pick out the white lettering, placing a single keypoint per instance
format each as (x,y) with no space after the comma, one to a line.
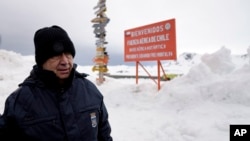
(132,49)
(146,55)
(162,38)
(133,42)
(239,132)
(132,56)
(146,40)
(151,30)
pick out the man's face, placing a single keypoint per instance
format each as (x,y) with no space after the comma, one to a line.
(61,65)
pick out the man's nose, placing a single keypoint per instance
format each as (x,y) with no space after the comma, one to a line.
(64,59)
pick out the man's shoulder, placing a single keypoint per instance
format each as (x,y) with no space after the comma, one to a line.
(81,75)
(89,85)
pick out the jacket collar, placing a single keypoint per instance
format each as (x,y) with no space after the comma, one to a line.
(45,78)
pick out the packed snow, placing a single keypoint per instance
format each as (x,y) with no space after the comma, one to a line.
(200,105)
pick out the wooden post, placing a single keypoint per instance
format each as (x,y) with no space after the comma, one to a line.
(136,74)
(159,74)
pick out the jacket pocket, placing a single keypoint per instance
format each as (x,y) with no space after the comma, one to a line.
(89,120)
(90,108)
(32,121)
(43,128)
(90,115)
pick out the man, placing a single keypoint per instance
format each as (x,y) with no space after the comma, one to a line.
(55,102)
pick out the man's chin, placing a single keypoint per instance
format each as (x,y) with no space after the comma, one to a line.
(63,75)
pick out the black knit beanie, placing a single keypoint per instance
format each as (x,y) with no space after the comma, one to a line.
(51,41)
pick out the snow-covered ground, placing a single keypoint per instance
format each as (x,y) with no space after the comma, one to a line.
(200,105)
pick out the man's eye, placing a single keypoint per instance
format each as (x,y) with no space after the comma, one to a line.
(56,57)
(68,55)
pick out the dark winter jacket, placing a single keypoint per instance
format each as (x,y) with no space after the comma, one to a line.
(42,110)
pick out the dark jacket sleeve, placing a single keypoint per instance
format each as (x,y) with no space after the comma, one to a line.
(104,133)
(5,126)
(104,126)
(9,130)
(8,127)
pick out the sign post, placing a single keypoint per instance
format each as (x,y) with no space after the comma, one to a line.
(101,58)
(153,42)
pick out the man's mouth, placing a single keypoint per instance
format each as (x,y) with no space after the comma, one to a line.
(63,71)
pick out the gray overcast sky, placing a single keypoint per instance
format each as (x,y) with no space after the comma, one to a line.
(202,26)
